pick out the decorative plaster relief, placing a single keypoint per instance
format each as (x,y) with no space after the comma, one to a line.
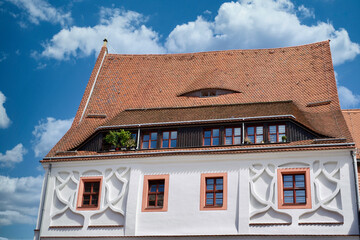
(328,205)
(262,197)
(112,208)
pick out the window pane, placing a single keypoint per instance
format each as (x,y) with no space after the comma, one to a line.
(219,201)
(300,184)
(259,138)
(209,181)
(153,136)
(207,134)
(252,139)
(228,131)
(173,143)
(237,131)
(87,187)
(207,142)
(237,140)
(259,130)
(300,199)
(272,129)
(210,187)
(219,186)
(146,137)
(228,140)
(288,200)
(288,178)
(160,203)
(288,184)
(209,201)
(96,187)
(94,200)
(219,181)
(280,137)
(145,145)
(152,200)
(133,136)
(288,193)
(299,178)
(174,135)
(250,130)
(86,200)
(152,188)
(161,188)
(215,132)
(281,128)
(165,135)
(219,195)
(273,138)
(300,193)
(215,141)
(153,144)
(165,143)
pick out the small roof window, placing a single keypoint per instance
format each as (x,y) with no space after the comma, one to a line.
(209,92)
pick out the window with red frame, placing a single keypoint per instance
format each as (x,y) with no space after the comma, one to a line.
(255,134)
(89,193)
(169,139)
(212,137)
(232,136)
(214,192)
(156,193)
(294,188)
(276,132)
(149,140)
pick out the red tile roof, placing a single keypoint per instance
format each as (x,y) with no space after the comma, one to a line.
(352,117)
(303,75)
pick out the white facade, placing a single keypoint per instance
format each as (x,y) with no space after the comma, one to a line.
(252,202)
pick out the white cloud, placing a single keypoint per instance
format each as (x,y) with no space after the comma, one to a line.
(347,98)
(13,156)
(19,199)
(4,119)
(48,133)
(250,24)
(41,10)
(123,29)
(305,12)
(3,56)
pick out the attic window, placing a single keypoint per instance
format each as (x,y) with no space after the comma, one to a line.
(209,92)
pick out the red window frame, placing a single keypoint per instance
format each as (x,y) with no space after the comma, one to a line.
(277,132)
(149,141)
(211,137)
(170,139)
(92,193)
(213,191)
(148,179)
(157,193)
(255,133)
(281,188)
(233,136)
(204,190)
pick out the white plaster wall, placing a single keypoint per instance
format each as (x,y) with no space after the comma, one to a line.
(337,196)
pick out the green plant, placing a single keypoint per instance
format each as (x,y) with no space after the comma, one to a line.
(283,138)
(112,138)
(247,140)
(120,138)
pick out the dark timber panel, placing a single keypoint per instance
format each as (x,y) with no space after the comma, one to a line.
(190,137)
(94,144)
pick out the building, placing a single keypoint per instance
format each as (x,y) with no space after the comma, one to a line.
(229,145)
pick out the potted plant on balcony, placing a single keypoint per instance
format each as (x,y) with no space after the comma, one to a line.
(112,138)
(247,140)
(283,138)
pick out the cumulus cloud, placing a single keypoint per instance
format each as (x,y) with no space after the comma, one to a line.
(124,30)
(3,56)
(347,98)
(13,156)
(4,119)
(19,199)
(48,133)
(41,10)
(249,24)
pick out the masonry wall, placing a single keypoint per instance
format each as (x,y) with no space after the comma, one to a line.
(252,200)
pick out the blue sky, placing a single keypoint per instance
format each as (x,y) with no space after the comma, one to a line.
(48,50)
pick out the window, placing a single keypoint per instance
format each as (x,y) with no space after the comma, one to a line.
(255,134)
(232,136)
(155,193)
(213,191)
(276,132)
(149,140)
(212,137)
(169,139)
(89,193)
(208,92)
(294,188)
